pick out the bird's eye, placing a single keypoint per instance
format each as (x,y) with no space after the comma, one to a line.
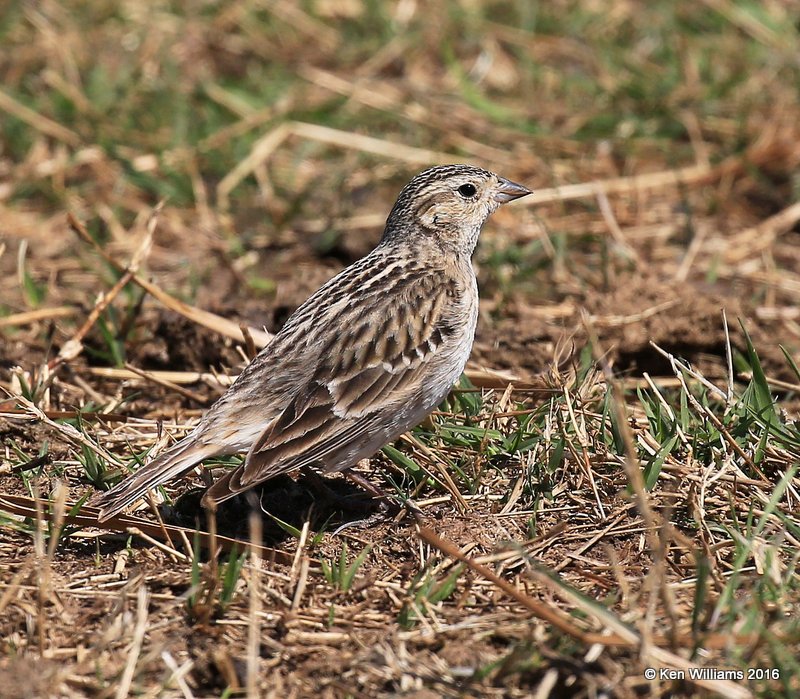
(467,190)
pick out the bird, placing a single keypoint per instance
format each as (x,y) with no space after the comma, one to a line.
(366,358)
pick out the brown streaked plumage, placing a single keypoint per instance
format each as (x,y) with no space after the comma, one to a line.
(363,360)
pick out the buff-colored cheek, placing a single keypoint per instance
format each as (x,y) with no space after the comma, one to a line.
(432,216)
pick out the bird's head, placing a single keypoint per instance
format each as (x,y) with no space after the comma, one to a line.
(450,203)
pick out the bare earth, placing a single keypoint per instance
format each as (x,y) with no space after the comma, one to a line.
(589,510)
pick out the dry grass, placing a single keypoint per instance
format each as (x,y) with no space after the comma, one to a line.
(615,487)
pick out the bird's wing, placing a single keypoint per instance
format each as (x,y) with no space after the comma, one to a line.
(370,366)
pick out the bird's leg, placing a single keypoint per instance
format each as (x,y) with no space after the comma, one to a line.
(320,487)
(392,501)
(365,483)
(390,504)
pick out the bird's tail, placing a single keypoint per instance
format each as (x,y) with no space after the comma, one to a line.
(172,463)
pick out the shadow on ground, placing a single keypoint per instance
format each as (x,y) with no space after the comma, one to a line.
(285,504)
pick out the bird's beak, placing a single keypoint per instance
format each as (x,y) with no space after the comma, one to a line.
(508,191)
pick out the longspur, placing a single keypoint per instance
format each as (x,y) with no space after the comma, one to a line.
(364,359)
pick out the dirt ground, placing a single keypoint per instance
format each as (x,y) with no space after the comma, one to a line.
(333,642)
(589,509)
